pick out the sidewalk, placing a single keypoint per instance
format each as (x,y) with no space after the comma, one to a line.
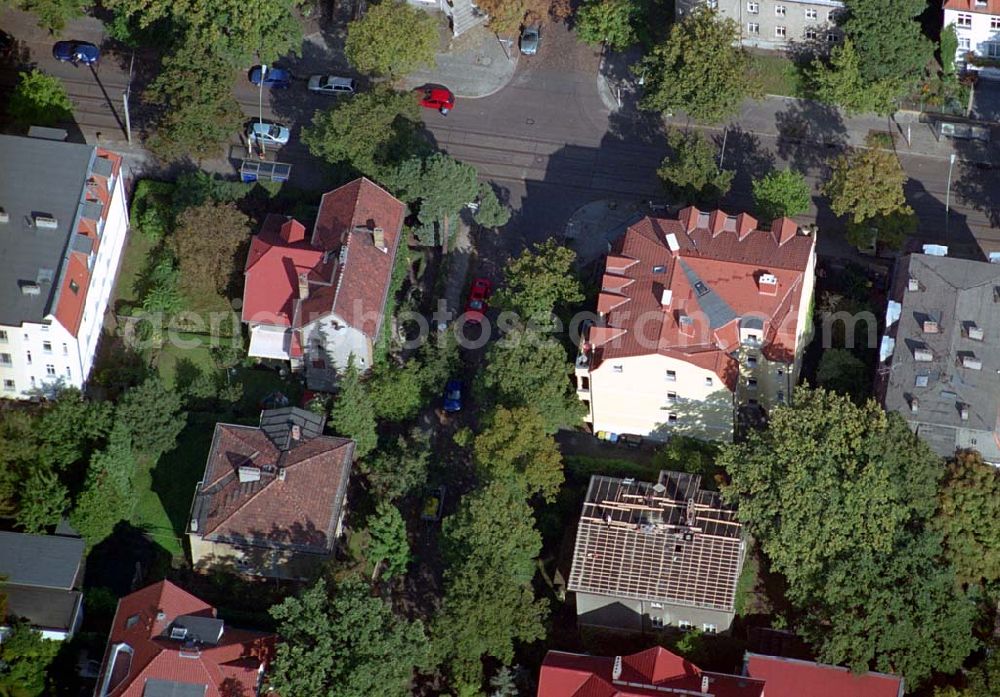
(474,64)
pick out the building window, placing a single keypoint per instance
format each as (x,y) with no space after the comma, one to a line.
(832,38)
(781,371)
(811,13)
(752,384)
(712,4)
(657,622)
(50,370)
(659,269)
(779,10)
(751,361)
(65,350)
(584,382)
(753,7)
(964,44)
(671,397)
(672,418)
(811,34)
(27,357)
(994,22)
(3,336)
(47,346)
(964,20)
(780,32)
(992,49)
(684,625)
(32,378)
(709,628)
(69,373)
(709,382)
(74,286)
(781,396)
(657,606)
(5,359)
(617,368)
(753,28)
(8,385)
(671,376)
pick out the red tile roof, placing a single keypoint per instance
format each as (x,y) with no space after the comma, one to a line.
(787,677)
(654,671)
(712,278)
(295,502)
(347,274)
(143,620)
(992,7)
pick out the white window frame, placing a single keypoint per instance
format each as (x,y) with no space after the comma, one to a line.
(656,606)
(753,28)
(9,386)
(963,20)
(709,628)
(684,625)
(991,49)
(50,370)
(47,346)
(3,336)
(780,32)
(670,376)
(753,7)
(811,13)
(6,359)
(832,38)
(964,43)
(709,382)
(617,368)
(780,10)
(994,22)
(811,34)
(672,418)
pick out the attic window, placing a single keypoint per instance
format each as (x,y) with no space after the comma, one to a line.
(179,633)
(74,286)
(131,621)
(659,269)
(913,285)
(701,289)
(921,381)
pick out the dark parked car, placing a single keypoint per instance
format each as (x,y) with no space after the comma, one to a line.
(76,52)
(278,78)
(453,396)
(530,38)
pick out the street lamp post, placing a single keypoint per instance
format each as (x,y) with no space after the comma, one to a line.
(947,195)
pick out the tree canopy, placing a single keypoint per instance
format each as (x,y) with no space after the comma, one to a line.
(52,14)
(344,643)
(888,38)
(609,22)
(39,100)
(865,183)
(839,496)
(152,413)
(690,172)
(353,414)
(839,79)
(24,660)
(539,281)
(841,371)
(441,185)
(392,39)
(108,493)
(398,468)
(783,192)
(209,263)
(514,445)
(491,212)
(699,69)
(388,547)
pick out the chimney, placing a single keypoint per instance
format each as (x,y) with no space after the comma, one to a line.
(975,332)
(970,361)
(963,411)
(704,684)
(686,323)
(296,432)
(281,474)
(303,286)
(378,237)
(666,298)
(616,669)
(923,355)
(767,284)
(930,326)
(914,405)
(4,216)
(913,285)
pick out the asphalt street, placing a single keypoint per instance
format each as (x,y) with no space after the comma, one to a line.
(547,140)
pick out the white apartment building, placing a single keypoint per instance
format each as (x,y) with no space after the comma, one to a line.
(63,222)
(977,23)
(698,318)
(776,24)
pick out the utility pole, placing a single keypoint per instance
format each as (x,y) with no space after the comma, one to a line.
(947,195)
(125,97)
(722,155)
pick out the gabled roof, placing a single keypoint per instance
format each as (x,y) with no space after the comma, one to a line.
(145,622)
(671,542)
(654,671)
(273,490)
(990,7)
(789,677)
(703,269)
(40,561)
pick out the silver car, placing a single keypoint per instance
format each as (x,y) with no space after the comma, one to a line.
(530,39)
(268,133)
(331,84)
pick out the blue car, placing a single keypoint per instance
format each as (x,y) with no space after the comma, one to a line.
(278,78)
(76,52)
(453,396)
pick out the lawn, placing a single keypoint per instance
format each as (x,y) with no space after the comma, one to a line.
(172,357)
(779,75)
(137,251)
(165,489)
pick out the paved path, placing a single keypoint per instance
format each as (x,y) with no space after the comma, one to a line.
(474,64)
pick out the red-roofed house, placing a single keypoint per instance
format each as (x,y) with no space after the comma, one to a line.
(977,24)
(165,642)
(272,498)
(654,671)
(789,677)
(316,301)
(697,317)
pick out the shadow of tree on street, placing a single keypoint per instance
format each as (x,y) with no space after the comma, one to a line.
(802,126)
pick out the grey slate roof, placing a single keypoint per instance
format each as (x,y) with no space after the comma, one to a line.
(954,293)
(714,306)
(171,688)
(44,608)
(46,561)
(277,425)
(43,177)
(200,630)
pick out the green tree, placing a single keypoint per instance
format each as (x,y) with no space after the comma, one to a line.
(838,496)
(18,456)
(528,368)
(504,683)
(780,193)
(372,132)
(609,22)
(840,80)
(24,661)
(514,445)
(353,414)
(889,39)
(152,413)
(70,428)
(491,213)
(865,183)
(44,500)
(699,69)
(399,468)
(397,391)
(108,493)
(968,517)
(197,111)
(388,549)
(690,172)
(841,371)
(949,49)
(53,14)
(490,546)
(505,16)
(889,231)
(539,281)
(392,39)
(39,100)
(210,264)
(345,643)
(442,185)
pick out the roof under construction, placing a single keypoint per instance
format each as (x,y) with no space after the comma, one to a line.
(671,542)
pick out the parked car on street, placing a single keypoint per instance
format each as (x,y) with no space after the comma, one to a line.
(76,52)
(453,396)
(436,97)
(530,38)
(331,84)
(433,505)
(479,296)
(268,133)
(278,78)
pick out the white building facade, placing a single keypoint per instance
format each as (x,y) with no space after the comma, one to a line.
(776,24)
(977,24)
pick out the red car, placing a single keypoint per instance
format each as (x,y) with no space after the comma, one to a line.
(478,297)
(436,97)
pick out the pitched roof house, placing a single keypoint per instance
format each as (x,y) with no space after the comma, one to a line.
(317,301)
(789,677)
(41,576)
(941,353)
(649,673)
(648,556)
(272,498)
(165,642)
(698,316)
